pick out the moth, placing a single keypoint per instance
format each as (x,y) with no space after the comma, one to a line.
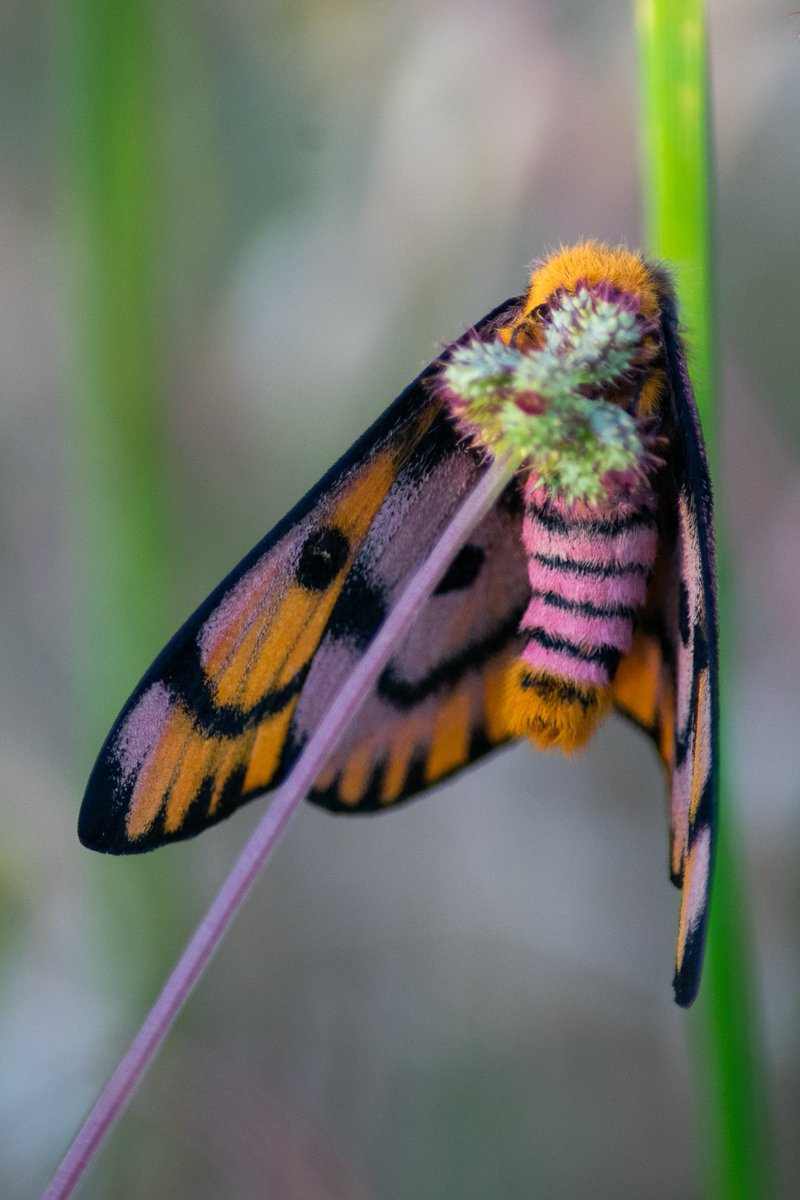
(551,615)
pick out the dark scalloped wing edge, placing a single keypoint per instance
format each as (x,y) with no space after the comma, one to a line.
(686,981)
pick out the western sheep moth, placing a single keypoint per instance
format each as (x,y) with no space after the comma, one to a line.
(551,614)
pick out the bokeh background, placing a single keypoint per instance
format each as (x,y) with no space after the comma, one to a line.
(230,232)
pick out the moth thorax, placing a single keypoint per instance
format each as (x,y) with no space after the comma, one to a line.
(588,570)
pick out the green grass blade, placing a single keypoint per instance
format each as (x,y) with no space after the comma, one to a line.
(677,178)
(116,504)
(119,547)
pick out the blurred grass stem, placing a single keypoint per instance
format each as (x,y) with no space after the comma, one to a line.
(120,552)
(236,888)
(677,177)
(120,548)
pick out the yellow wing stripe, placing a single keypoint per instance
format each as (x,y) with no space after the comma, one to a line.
(701,761)
(298,624)
(494,701)
(269,742)
(327,776)
(232,753)
(192,770)
(263,659)
(404,743)
(635,685)
(356,775)
(451,730)
(156,775)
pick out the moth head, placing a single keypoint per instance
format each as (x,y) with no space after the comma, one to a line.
(569,383)
(611,275)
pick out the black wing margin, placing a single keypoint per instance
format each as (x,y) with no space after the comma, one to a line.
(696,768)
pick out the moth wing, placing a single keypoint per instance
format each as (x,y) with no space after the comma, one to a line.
(224,711)
(668,683)
(438,703)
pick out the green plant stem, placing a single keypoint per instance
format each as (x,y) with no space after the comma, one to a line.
(677,176)
(115,515)
(119,547)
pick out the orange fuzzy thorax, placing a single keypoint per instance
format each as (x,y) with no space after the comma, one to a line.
(593,263)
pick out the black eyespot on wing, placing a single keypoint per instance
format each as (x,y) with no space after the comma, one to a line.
(321,559)
(360,610)
(463,570)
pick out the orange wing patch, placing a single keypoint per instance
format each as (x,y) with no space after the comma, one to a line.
(267,646)
(407,737)
(156,775)
(356,775)
(495,684)
(230,754)
(701,758)
(194,767)
(636,683)
(267,748)
(450,745)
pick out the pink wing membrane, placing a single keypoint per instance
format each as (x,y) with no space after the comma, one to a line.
(433,665)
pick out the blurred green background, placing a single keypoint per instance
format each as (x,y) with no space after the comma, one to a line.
(229,234)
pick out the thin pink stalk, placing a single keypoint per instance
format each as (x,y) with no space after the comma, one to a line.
(209,933)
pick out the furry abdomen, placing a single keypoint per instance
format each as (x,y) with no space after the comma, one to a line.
(588,571)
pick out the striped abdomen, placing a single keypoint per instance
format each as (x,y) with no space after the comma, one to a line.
(588,577)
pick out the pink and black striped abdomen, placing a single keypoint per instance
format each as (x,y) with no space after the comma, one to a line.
(588,575)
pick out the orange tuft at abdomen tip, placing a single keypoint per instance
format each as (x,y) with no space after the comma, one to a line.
(555,713)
